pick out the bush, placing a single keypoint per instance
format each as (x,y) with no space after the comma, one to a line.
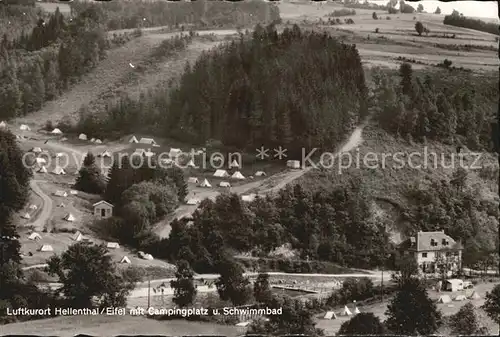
(342,12)
(376,30)
(374,16)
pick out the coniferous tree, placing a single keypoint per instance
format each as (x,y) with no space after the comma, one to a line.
(90,178)
(232,285)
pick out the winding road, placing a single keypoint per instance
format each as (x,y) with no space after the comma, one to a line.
(39,223)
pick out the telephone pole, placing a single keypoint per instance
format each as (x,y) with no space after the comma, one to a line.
(149,291)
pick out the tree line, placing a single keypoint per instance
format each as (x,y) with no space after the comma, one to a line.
(459,20)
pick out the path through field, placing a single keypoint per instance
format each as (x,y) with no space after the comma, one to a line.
(47,205)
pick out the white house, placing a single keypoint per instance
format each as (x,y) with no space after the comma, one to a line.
(221,174)
(103,209)
(433,251)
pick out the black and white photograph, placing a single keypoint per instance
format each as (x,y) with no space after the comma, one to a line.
(249,168)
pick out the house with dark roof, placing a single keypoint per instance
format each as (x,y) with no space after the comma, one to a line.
(434,251)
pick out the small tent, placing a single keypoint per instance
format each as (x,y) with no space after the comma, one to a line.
(224,184)
(193,180)
(221,174)
(249,197)
(46,248)
(63,139)
(330,315)
(3,124)
(69,217)
(59,155)
(149,141)
(98,141)
(125,259)
(78,236)
(82,136)
(260,174)
(26,216)
(33,207)
(73,192)
(34,236)
(356,310)
(191,164)
(205,183)
(237,175)
(243,324)
(59,171)
(148,257)
(133,140)
(62,194)
(42,169)
(113,245)
(36,150)
(474,296)
(193,201)
(346,311)
(460,298)
(40,161)
(61,205)
(24,127)
(234,164)
(444,299)
(56,131)
(92,140)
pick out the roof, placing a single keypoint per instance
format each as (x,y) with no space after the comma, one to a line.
(102,202)
(147,141)
(431,241)
(455,281)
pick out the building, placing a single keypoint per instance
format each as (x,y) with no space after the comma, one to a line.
(434,252)
(103,209)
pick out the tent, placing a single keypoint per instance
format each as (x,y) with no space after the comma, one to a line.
(42,169)
(346,311)
(56,131)
(113,245)
(61,205)
(78,236)
(73,192)
(235,164)
(221,174)
(260,173)
(474,296)
(460,298)
(330,315)
(237,175)
(69,217)
(295,164)
(59,154)
(454,285)
(58,170)
(63,139)
(193,201)
(24,127)
(224,184)
(3,124)
(148,257)
(26,216)
(98,141)
(191,163)
(33,207)
(149,141)
(249,197)
(205,183)
(193,180)
(92,140)
(243,324)
(34,236)
(40,161)
(104,154)
(444,299)
(46,248)
(61,194)
(125,260)
(82,136)
(133,140)
(36,150)
(356,311)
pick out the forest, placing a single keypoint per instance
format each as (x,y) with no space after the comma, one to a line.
(267,88)
(459,20)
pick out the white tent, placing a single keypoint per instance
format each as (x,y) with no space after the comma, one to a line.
(193,180)
(59,154)
(34,236)
(69,217)
(78,236)
(24,127)
(41,161)
(26,216)
(113,245)
(346,311)
(295,164)
(149,141)
(63,139)
(193,201)
(104,154)
(356,311)
(260,173)
(249,197)
(92,140)
(33,207)
(444,299)
(133,140)
(224,184)
(73,192)
(460,298)
(234,164)
(125,260)
(205,183)
(474,296)
(330,315)
(36,150)
(56,131)
(61,194)
(243,324)
(46,248)
(3,124)
(98,141)
(59,170)
(148,257)
(221,174)
(82,136)
(237,175)
(174,152)
(191,163)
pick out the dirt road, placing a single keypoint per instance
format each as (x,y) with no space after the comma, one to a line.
(46,210)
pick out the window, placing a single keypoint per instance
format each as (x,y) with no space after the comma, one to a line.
(424,255)
(103,212)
